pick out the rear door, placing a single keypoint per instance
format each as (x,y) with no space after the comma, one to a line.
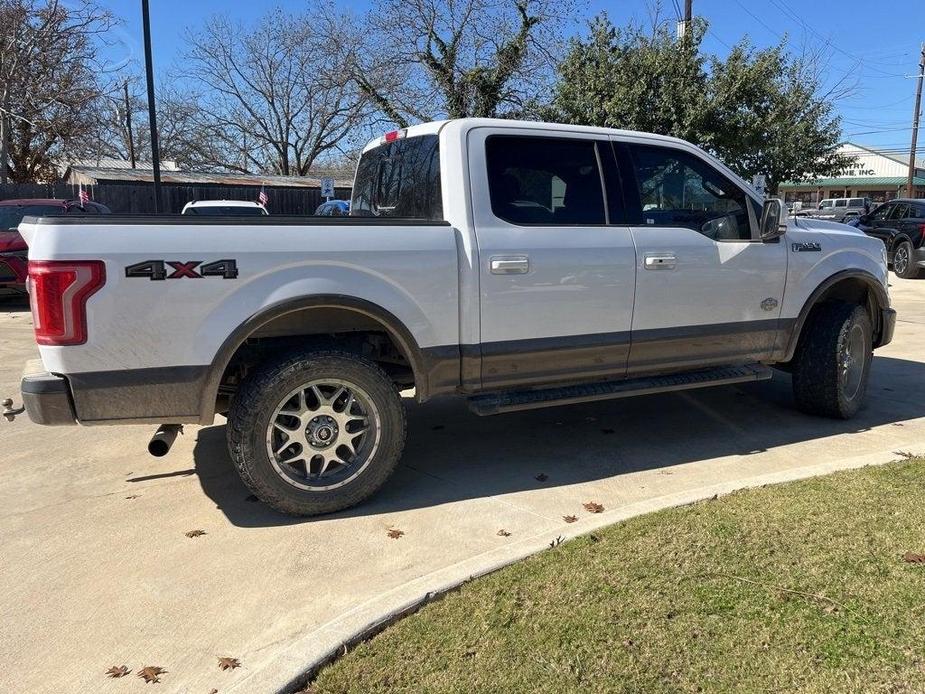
(556,268)
(708,291)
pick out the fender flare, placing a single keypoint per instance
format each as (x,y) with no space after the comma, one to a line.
(876,288)
(390,324)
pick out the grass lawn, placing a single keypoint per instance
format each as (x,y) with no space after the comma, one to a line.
(799,587)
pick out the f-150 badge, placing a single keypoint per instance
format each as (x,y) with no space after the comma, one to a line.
(809,247)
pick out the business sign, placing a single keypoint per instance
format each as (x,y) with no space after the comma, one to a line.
(327,187)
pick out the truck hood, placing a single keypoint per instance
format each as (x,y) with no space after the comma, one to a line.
(11,241)
(817,224)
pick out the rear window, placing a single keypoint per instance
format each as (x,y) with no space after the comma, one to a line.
(399,179)
(222,211)
(11,216)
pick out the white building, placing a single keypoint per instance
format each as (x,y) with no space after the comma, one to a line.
(875,175)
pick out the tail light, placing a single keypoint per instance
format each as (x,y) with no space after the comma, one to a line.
(922,232)
(58,293)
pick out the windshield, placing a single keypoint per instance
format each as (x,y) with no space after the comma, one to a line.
(399,179)
(225,211)
(11,216)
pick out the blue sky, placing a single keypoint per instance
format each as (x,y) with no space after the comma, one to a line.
(876,43)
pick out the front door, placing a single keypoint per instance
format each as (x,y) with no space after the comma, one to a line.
(708,292)
(556,278)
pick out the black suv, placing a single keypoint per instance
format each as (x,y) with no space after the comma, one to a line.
(900,224)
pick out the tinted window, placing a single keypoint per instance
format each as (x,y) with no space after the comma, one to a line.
(899,212)
(400,179)
(679,189)
(545,181)
(11,216)
(225,211)
(919,211)
(841,203)
(856,202)
(882,212)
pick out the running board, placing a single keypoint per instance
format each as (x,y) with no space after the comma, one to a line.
(514,401)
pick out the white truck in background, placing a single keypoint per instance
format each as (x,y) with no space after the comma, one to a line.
(516,264)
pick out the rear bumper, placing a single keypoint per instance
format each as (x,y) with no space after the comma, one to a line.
(47,398)
(887,326)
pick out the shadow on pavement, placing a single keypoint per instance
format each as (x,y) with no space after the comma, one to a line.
(452,455)
(13,303)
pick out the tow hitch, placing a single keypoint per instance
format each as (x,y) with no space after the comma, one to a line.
(10,412)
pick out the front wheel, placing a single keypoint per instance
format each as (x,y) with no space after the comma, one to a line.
(903,264)
(316,432)
(832,363)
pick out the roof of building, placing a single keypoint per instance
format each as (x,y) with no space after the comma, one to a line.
(111,163)
(884,181)
(920,163)
(91,175)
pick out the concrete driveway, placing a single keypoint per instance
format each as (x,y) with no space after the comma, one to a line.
(97,569)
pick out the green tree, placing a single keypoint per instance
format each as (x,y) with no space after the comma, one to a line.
(622,77)
(767,115)
(760,111)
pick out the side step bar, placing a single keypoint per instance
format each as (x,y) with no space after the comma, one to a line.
(514,401)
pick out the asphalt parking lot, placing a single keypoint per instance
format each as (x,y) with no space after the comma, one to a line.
(98,569)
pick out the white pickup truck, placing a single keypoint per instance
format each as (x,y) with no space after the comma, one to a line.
(517,264)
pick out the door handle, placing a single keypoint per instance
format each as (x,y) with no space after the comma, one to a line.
(660,261)
(510,265)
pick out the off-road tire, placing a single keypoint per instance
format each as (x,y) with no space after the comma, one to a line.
(817,384)
(908,270)
(256,401)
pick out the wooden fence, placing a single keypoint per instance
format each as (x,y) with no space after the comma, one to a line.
(138,198)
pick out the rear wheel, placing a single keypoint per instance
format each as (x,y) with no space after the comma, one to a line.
(832,363)
(903,263)
(316,432)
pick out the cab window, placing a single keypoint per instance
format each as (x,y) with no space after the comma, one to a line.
(899,212)
(545,181)
(677,188)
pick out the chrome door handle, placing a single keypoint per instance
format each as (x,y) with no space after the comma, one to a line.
(510,265)
(660,261)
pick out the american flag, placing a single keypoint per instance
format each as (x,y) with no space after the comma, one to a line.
(83,195)
(263,198)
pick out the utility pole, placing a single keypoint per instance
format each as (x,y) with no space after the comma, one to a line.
(128,124)
(684,25)
(152,114)
(910,185)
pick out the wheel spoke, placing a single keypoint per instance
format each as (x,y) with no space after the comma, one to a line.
(285,429)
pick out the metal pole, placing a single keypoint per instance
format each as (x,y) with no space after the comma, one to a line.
(128,124)
(910,184)
(152,116)
(688,13)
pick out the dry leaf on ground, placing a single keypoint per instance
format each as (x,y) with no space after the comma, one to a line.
(195,533)
(570,519)
(593,507)
(226,663)
(911,558)
(395,533)
(118,671)
(503,533)
(151,673)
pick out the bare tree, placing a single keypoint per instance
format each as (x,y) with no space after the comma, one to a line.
(422,59)
(274,98)
(50,80)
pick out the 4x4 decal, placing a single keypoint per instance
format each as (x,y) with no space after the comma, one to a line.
(227,269)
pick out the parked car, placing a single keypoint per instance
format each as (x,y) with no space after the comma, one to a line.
(841,209)
(333,208)
(13,249)
(900,224)
(516,264)
(225,208)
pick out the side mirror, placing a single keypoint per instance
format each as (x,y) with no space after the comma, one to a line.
(772,225)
